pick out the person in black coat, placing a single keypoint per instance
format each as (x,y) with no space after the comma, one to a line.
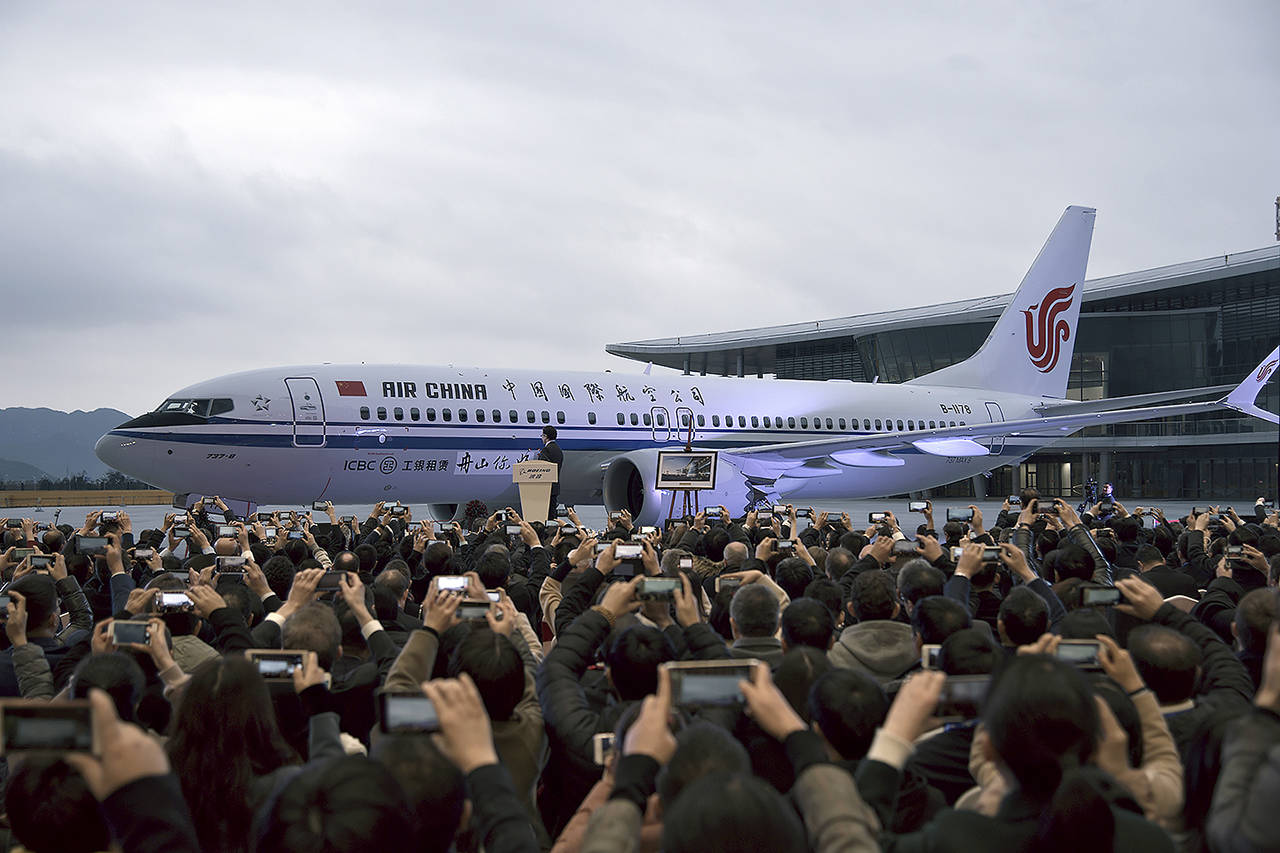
(551,452)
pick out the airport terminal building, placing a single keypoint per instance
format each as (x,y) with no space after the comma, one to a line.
(1194,324)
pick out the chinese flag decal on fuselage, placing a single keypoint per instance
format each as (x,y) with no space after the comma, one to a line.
(350,389)
(1049,331)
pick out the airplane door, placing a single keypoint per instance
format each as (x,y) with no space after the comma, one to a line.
(308,412)
(997,415)
(661,424)
(684,423)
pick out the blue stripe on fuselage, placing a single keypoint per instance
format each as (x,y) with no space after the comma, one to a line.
(440,442)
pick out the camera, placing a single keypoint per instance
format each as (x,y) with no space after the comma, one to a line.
(917,506)
(320,506)
(686,563)
(456,583)
(964,514)
(700,683)
(723,582)
(172,602)
(58,726)
(108,517)
(473,609)
(902,547)
(406,712)
(296,534)
(877,517)
(962,696)
(786,545)
(231,564)
(929,655)
(227,531)
(91,545)
(41,562)
(1106,507)
(513,530)
(125,631)
(330,582)
(1081,653)
(143,553)
(602,748)
(1014,500)
(1094,595)
(276,664)
(658,589)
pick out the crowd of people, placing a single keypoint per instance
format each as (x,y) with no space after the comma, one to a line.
(780,680)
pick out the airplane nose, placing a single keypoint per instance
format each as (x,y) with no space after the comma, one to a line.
(113,450)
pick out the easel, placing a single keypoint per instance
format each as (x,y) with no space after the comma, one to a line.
(690,495)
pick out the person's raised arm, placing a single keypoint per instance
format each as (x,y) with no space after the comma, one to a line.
(466,738)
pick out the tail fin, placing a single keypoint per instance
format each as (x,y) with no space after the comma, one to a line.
(1244,397)
(1029,350)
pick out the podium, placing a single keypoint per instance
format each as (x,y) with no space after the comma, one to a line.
(535,479)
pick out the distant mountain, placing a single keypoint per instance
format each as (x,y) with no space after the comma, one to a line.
(56,443)
(20,471)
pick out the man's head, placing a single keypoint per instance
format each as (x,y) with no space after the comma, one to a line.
(394,581)
(1023,617)
(936,618)
(1167,660)
(118,674)
(969,651)
(1149,557)
(352,804)
(807,622)
(793,575)
(315,628)
(916,580)
(42,603)
(346,561)
(1073,562)
(839,560)
(701,748)
(847,707)
(754,612)
(633,658)
(279,571)
(51,809)
(496,668)
(1254,615)
(433,788)
(548,433)
(873,596)
(735,554)
(827,591)
(494,567)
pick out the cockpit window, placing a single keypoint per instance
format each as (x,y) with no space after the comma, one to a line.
(202,408)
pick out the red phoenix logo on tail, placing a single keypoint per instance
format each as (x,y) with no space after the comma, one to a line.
(1048,330)
(1265,370)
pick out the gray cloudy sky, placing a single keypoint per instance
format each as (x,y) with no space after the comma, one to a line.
(192,189)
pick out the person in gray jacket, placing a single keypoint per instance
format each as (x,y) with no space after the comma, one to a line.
(877,644)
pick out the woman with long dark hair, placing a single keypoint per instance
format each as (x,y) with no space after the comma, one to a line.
(1043,733)
(226,748)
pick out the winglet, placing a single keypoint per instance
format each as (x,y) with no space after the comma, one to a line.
(1243,398)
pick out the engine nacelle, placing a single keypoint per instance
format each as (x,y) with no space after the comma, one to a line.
(630,483)
(443,512)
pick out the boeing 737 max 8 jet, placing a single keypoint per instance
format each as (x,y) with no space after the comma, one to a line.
(441,436)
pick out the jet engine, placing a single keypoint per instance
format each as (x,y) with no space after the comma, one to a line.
(630,483)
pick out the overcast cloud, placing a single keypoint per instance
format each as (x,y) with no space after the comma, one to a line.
(190,189)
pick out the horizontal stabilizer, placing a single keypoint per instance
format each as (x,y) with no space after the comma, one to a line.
(951,447)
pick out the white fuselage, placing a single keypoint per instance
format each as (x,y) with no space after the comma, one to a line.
(363,433)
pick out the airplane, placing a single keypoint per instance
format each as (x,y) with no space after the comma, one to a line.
(358,433)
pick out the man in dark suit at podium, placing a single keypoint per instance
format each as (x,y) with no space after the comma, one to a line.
(551,452)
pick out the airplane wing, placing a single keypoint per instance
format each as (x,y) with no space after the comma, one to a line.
(828,456)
